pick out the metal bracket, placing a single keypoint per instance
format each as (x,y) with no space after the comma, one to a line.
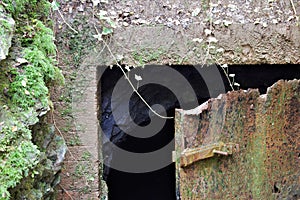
(189,156)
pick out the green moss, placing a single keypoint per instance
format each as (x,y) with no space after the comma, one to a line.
(4,83)
(23,90)
(145,56)
(5,26)
(15,165)
(79,44)
(27,8)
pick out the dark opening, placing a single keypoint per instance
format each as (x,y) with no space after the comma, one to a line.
(160,184)
(275,189)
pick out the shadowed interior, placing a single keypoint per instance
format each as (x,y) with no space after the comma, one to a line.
(160,184)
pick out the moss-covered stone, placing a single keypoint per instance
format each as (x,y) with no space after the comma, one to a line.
(30,157)
(7,25)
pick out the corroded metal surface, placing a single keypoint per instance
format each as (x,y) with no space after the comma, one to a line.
(190,156)
(266,127)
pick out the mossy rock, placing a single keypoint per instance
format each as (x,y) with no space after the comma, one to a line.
(7,26)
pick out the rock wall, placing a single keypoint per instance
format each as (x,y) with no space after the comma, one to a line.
(30,152)
(46,175)
(264,130)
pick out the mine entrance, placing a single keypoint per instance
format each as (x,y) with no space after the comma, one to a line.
(171,87)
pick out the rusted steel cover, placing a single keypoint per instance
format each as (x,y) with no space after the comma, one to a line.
(267,131)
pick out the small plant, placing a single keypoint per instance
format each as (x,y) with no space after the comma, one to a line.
(80,170)
(28,89)
(145,56)
(75,141)
(17,6)
(230,77)
(86,155)
(66,112)
(108,25)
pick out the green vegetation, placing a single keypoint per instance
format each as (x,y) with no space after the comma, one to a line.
(145,56)
(24,78)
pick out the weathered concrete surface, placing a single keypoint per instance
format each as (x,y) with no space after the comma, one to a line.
(80,176)
(175,31)
(266,129)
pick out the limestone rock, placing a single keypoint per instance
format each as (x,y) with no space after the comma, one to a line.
(7,25)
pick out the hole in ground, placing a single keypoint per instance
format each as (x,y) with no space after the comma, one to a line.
(164,88)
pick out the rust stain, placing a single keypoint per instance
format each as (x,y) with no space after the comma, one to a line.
(268,133)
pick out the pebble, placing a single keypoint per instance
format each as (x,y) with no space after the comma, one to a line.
(80,8)
(126,14)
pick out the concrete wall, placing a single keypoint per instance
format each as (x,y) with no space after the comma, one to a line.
(176,32)
(196,32)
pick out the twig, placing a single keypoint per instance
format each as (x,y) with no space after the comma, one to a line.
(292,2)
(227,76)
(134,89)
(60,133)
(226,73)
(66,191)
(66,22)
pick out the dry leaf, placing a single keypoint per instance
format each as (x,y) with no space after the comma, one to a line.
(95,2)
(227,23)
(21,60)
(14,128)
(197,40)
(220,50)
(196,12)
(217,22)
(212,39)
(137,77)
(224,66)
(207,32)
(23,82)
(127,68)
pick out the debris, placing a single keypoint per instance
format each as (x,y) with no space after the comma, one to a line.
(137,77)
(24,83)
(207,32)
(125,24)
(197,40)
(196,12)
(290,18)
(80,8)
(224,66)
(127,68)
(21,60)
(275,21)
(220,50)
(217,22)
(264,24)
(95,2)
(212,39)
(227,23)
